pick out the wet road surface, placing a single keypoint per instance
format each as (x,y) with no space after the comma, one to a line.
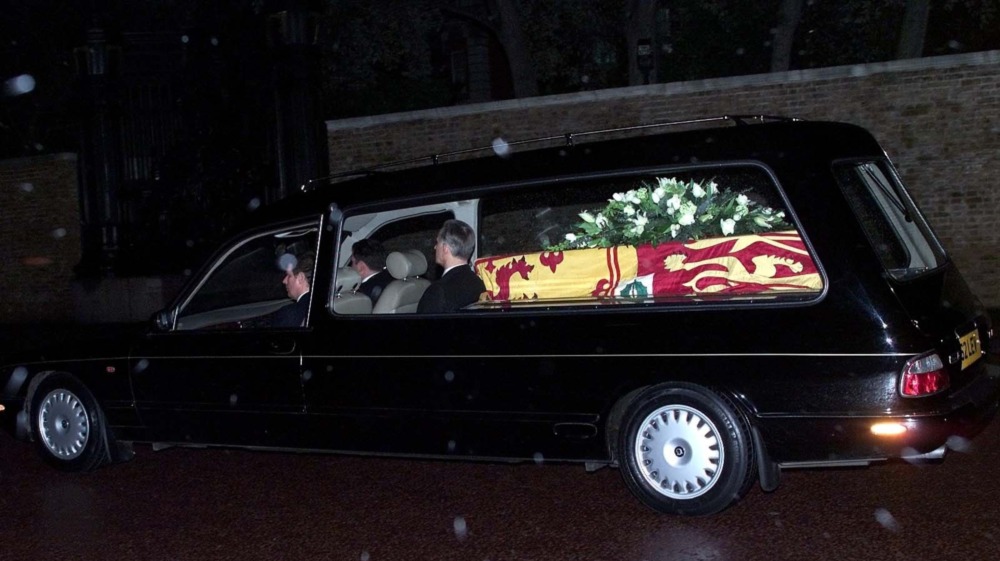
(185,504)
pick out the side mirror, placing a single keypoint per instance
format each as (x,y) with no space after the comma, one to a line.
(164,320)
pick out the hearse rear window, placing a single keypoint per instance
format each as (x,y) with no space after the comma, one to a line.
(894,226)
(722,232)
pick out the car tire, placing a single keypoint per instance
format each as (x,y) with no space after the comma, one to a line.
(68,425)
(685,449)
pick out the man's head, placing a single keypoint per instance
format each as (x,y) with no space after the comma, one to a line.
(456,242)
(368,257)
(298,276)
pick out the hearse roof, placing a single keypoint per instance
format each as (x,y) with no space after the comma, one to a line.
(774,141)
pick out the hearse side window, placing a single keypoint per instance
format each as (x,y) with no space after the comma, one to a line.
(894,226)
(671,236)
(245,285)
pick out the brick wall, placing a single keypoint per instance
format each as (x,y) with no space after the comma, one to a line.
(40,233)
(938,118)
(40,245)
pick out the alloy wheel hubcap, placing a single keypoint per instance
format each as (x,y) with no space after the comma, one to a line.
(678,452)
(63,424)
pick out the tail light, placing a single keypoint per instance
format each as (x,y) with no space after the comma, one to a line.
(923,375)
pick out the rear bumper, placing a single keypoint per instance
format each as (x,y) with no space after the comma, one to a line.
(808,441)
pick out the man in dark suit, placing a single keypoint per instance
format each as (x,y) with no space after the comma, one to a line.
(458,286)
(368,259)
(298,278)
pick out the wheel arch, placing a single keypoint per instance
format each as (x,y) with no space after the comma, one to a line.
(613,424)
(24,421)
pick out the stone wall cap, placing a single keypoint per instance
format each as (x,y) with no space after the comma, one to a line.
(28,160)
(675,88)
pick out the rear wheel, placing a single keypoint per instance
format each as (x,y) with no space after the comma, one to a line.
(68,424)
(684,449)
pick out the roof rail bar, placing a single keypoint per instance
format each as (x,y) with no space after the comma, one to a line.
(569,139)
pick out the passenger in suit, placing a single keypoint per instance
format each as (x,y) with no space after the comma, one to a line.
(368,259)
(298,278)
(458,286)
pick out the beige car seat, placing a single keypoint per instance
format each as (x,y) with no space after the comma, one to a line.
(402,295)
(346,300)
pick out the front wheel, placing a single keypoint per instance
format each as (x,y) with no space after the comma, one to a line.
(68,424)
(685,450)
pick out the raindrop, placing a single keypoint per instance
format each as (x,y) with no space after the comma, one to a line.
(954,45)
(233,399)
(185,39)
(740,51)
(59,233)
(329,368)
(538,457)
(214,41)
(19,85)
(140,366)
(886,519)
(959,444)
(461,530)
(449,376)
(307,375)
(500,147)
(585,79)
(859,70)
(254,204)
(451,445)
(189,243)
(365,556)
(26,187)
(187,272)
(287,262)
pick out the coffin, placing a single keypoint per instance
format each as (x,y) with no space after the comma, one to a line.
(775,262)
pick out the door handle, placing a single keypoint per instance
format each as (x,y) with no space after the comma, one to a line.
(281,346)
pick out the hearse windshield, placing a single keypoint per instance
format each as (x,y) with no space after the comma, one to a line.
(901,237)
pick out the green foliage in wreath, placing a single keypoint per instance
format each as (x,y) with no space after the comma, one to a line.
(671,210)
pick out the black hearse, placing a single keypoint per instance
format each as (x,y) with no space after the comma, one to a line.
(701,306)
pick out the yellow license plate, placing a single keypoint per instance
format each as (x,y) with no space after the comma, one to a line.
(971,348)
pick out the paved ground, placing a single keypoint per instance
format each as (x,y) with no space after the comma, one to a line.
(182,504)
